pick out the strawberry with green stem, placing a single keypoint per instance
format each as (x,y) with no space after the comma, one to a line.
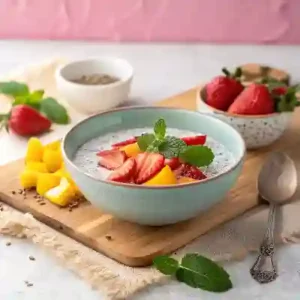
(221,91)
(31,113)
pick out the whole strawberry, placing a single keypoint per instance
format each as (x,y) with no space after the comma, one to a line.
(26,121)
(254,100)
(221,91)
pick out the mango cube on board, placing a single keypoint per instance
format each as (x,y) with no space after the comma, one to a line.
(63,194)
(52,159)
(36,166)
(45,182)
(35,150)
(28,178)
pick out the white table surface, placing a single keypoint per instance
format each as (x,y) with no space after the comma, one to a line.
(160,71)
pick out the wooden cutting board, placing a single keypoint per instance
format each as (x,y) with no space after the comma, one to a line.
(136,245)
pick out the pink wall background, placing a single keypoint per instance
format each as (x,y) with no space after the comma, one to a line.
(241,21)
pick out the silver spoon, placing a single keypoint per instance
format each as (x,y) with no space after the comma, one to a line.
(277,183)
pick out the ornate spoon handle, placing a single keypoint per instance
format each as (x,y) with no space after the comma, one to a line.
(264,270)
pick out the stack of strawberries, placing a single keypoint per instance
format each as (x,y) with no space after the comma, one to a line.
(227,93)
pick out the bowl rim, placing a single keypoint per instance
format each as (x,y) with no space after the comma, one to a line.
(58,73)
(154,187)
(225,113)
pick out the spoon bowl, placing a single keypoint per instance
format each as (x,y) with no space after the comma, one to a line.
(277,180)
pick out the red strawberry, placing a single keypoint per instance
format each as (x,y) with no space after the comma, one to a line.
(186,170)
(124,143)
(26,121)
(124,173)
(222,90)
(194,140)
(148,165)
(173,163)
(111,159)
(254,100)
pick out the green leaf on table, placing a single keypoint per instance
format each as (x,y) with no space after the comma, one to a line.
(199,156)
(160,129)
(54,111)
(14,88)
(172,147)
(200,272)
(166,265)
(145,140)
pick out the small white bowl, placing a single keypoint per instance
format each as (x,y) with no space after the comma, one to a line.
(91,99)
(257,131)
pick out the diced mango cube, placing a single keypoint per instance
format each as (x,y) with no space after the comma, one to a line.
(164,177)
(28,178)
(45,182)
(34,151)
(63,194)
(186,180)
(52,159)
(37,166)
(131,150)
(64,173)
(54,145)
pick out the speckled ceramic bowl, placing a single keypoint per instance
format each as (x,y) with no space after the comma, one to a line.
(258,131)
(145,204)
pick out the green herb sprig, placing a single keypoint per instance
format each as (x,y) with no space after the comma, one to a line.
(171,146)
(48,106)
(196,271)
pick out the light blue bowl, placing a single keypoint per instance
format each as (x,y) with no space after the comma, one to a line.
(153,205)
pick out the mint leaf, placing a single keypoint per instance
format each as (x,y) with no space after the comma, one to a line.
(200,272)
(14,88)
(160,129)
(199,156)
(145,140)
(166,265)
(154,147)
(36,96)
(172,147)
(54,111)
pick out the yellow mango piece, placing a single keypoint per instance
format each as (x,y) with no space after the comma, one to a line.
(35,150)
(64,173)
(52,159)
(131,150)
(28,178)
(186,180)
(45,182)
(54,145)
(37,166)
(63,194)
(164,177)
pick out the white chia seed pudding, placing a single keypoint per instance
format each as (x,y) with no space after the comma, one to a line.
(86,157)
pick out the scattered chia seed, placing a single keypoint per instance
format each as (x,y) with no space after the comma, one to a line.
(32,258)
(42,203)
(13,192)
(8,244)
(108,237)
(28,284)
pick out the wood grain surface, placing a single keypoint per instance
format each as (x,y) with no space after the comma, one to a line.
(136,245)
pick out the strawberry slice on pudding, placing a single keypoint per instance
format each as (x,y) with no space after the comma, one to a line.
(111,159)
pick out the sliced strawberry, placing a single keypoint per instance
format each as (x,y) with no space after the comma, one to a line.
(194,140)
(186,170)
(111,159)
(124,173)
(148,165)
(173,163)
(125,143)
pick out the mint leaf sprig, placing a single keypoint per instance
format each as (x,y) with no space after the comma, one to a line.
(171,146)
(196,271)
(48,106)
